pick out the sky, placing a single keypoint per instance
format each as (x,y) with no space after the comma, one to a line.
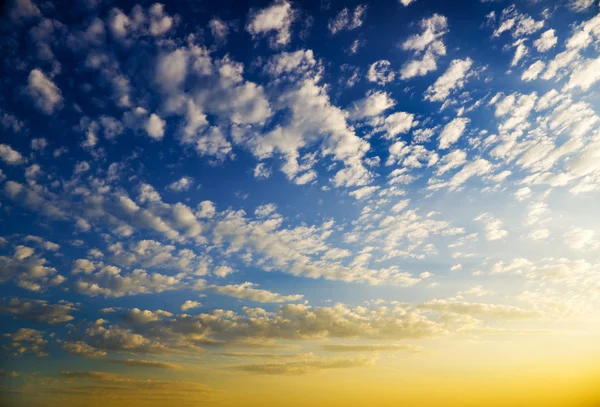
(300,203)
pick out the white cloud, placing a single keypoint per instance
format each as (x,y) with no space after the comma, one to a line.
(183,184)
(395,124)
(585,75)
(373,104)
(276,18)
(581,239)
(433,28)
(546,41)
(188,305)
(452,132)
(219,29)
(22,10)
(581,5)
(345,21)
(380,72)
(454,78)
(407,3)
(38,310)
(10,156)
(363,192)
(223,271)
(155,127)
(452,160)
(521,25)
(45,94)
(248,291)
(533,71)
(261,171)
(154,22)
(493,227)
(428,44)
(520,52)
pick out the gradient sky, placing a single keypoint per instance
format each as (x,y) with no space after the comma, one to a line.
(300,203)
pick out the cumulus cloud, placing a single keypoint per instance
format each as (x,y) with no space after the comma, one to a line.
(26,341)
(44,93)
(427,46)
(189,304)
(345,20)
(274,22)
(249,291)
(533,71)
(452,132)
(183,184)
(546,41)
(454,78)
(380,72)
(10,156)
(492,226)
(38,310)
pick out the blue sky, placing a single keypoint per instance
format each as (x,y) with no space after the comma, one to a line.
(176,160)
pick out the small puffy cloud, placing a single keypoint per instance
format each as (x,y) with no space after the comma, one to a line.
(581,5)
(171,69)
(454,78)
(492,226)
(363,192)
(265,210)
(39,144)
(373,104)
(380,72)
(10,156)
(155,127)
(249,291)
(546,41)
(395,124)
(139,22)
(81,167)
(183,184)
(519,25)
(189,304)
(585,75)
(20,10)
(581,239)
(452,132)
(223,271)
(523,194)
(45,94)
(38,310)
(219,29)
(140,119)
(80,348)
(432,29)
(454,159)
(427,46)
(28,270)
(261,171)
(206,209)
(533,71)
(520,52)
(346,20)
(25,341)
(407,3)
(274,21)
(539,234)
